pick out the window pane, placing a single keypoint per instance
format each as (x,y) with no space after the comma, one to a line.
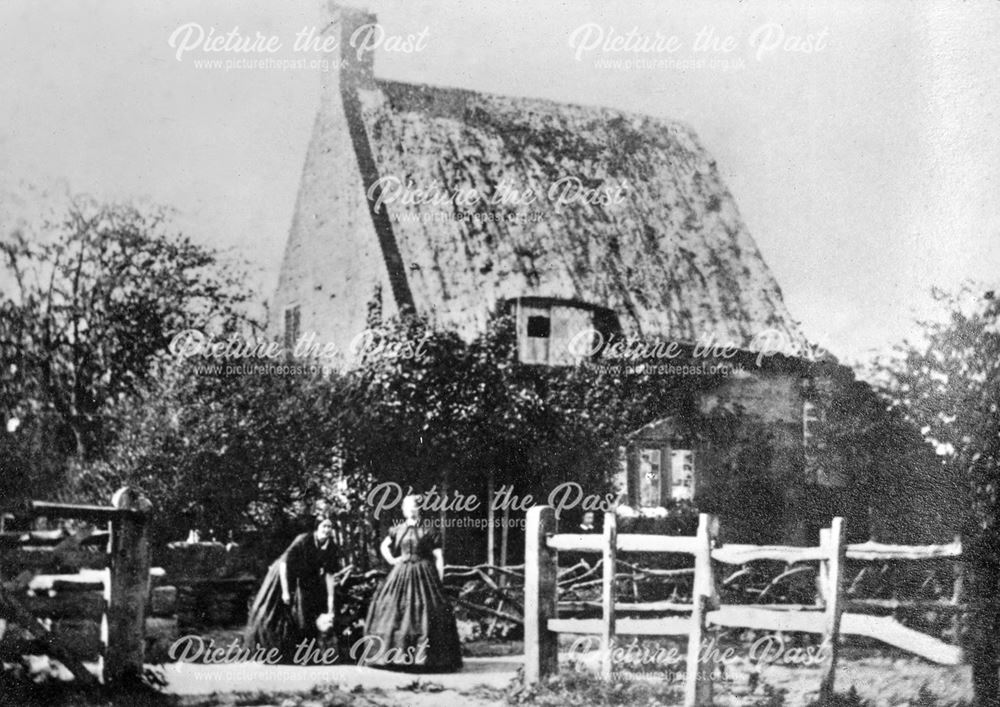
(539,327)
(532,349)
(681,474)
(565,342)
(650,478)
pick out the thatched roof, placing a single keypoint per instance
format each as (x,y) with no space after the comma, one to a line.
(671,257)
(674,259)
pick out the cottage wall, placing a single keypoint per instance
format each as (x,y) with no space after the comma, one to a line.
(333,265)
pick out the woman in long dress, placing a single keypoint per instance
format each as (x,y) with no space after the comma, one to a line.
(411,625)
(298,588)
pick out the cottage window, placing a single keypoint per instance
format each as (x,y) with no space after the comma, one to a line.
(650,478)
(817,469)
(681,475)
(810,421)
(292,326)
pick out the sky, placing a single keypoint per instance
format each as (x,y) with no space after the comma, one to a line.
(867,168)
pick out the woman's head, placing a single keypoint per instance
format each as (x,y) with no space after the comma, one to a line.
(411,507)
(324,527)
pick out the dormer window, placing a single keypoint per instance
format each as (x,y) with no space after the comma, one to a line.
(559,332)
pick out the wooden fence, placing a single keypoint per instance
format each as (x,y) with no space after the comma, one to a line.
(542,623)
(98,574)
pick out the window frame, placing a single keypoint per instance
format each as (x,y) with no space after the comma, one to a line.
(289,309)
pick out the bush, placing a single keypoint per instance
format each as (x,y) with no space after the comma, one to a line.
(925,698)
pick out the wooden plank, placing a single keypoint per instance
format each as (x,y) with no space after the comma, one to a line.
(879,551)
(591,542)
(34,537)
(44,538)
(888,630)
(834,567)
(626,607)
(864,606)
(881,628)
(740,554)
(51,559)
(608,594)
(768,620)
(85,580)
(657,543)
(541,641)
(70,605)
(93,514)
(667,626)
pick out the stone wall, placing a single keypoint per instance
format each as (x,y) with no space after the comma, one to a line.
(201,584)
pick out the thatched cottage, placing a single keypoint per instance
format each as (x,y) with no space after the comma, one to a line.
(452,203)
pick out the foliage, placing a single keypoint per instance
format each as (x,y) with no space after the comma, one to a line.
(743,447)
(238,452)
(576,685)
(579,686)
(20,687)
(948,384)
(894,472)
(225,453)
(94,296)
(925,698)
(459,411)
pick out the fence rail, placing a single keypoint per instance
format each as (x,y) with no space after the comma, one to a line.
(544,582)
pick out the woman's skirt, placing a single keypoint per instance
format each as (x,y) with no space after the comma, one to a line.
(272,624)
(411,625)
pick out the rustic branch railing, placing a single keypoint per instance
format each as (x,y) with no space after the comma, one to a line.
(544,583)
(119,592)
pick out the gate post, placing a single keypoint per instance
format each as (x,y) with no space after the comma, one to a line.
(609,554)
(833,543)
(541,646)
(698,685)
(129,587)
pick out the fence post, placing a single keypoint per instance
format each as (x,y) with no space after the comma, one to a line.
(958,592)
(834,544)
(609,555)
(129,588)
(541,646)
(698,685)
(823,576)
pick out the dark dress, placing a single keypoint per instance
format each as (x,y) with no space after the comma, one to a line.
(272,624)
(410,623)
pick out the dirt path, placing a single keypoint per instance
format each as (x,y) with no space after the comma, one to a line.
(368,685)
(886,680)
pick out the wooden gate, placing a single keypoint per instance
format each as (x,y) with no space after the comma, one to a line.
(53,581)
